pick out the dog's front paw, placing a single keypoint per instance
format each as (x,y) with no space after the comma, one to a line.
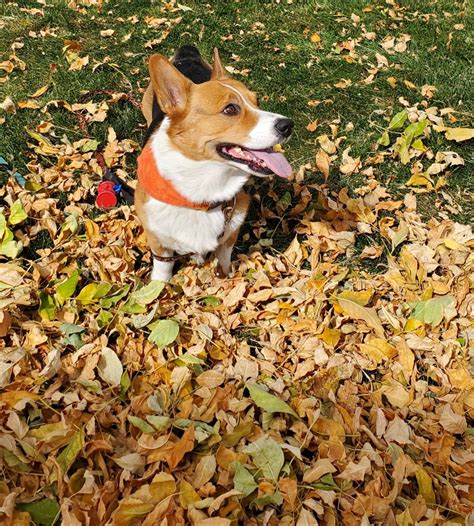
(162,271)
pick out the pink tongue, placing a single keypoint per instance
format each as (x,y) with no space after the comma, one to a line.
(275,161)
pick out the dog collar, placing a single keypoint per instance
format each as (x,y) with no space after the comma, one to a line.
(160,188)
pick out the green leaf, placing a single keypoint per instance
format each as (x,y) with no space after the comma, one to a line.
(90,146)
(415,129)
(92,292)
(71,224)
(267,401)
(104,317)
(3,226)
(160,423)
(140,298)
(66,289)
(11,248)
(125,384)
(184,423)
(73,334)
(431,311)
(404,150)
(243,479)
(384,139)
(164,333)
(47,309)
(75,340)
(189,359)
(418,145)
(43,512)
(267,456)
(142,320)
(17,213)
(141,424)
(398,120)
(108,301)
(326,483)
(91,385)
(71,328)
(240,431)
(68,455)
(265,500)
(148,293)
(211,301)
(285,201)
(7,235)
(400,236)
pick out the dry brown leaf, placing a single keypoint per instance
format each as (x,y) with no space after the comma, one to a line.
(323,162)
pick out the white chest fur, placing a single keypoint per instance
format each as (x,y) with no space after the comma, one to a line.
(186,230)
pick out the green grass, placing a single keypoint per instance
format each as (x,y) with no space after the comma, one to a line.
(286,69)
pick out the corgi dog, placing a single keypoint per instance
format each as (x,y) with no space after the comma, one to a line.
(206,138)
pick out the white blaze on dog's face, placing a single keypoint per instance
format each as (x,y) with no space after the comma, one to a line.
(219,120)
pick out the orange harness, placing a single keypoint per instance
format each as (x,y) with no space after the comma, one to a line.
(160,188)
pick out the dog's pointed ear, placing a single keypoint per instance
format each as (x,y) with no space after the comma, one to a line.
(170,86)
(218,71)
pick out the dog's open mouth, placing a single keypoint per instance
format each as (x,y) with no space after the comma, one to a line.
(266,162)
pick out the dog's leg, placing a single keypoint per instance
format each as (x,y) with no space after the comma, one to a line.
(224,254)
(224,250)
(162,270)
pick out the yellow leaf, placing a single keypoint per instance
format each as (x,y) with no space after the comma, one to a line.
(404,519)
(334,429)
(13,397)
(278,148)
(356,311)
(459,134)
(330,337)
(343,83)
(378,349)
(406,358)
(187,494)
(392,81)
(362,297)
(39,91)
(420,180)
(461,378)
(30,104)
(415,326)
(326,144)
(469,400)
(453,245)
(409,84)
(425,486)
(315,37)
(441,182)
(397,395)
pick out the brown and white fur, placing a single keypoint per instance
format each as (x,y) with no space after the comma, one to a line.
(186,149)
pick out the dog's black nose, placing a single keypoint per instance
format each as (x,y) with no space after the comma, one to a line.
(284,127)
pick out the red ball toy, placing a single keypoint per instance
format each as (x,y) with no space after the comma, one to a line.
(106,195)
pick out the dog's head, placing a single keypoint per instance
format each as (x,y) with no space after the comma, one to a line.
(220,120)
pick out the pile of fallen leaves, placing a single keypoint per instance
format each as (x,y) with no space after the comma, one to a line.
(302,390)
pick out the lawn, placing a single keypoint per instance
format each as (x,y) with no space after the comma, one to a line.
(329,381)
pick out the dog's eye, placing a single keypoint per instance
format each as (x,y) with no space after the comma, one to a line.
(231,109)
